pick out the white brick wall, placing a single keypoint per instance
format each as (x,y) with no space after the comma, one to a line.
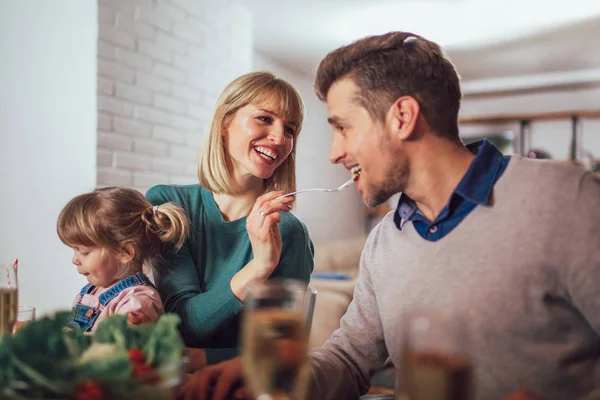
(161,66)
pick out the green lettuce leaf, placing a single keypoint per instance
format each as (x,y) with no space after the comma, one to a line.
(46,360)
(112,329)
(165,345)
(38,356)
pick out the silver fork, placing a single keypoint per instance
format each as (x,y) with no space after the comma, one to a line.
(344,186)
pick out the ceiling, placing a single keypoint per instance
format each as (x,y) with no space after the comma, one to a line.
(488,40)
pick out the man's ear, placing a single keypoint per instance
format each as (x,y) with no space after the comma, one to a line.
(127,253)
(402,117)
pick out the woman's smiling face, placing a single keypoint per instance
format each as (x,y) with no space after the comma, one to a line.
(258,139)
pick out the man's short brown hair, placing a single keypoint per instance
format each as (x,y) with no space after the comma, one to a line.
(396,64)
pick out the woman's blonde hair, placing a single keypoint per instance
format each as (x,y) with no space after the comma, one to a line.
(114,216)
(256,87)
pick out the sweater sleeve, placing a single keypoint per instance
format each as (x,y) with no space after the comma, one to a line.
(138,299)
(343,366)
(297,254)
(215,356)
(201,312)
(297,261)
(582,250)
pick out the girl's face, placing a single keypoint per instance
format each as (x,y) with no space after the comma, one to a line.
(99,266)
(258,139)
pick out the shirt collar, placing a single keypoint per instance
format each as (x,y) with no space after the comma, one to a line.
(404,211)
(477,183)
(475,186)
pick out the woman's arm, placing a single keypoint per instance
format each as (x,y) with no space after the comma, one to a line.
(204,312)
(297,261)
(262,225)
(201,312)
(297,256)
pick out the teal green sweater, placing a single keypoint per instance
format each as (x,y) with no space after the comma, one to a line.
(194,282)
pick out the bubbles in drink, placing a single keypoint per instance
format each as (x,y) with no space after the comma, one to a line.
(440,376)
(8,310)
(275,348)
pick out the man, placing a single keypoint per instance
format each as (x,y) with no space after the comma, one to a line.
(512,245)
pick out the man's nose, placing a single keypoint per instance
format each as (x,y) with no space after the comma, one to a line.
(336,153)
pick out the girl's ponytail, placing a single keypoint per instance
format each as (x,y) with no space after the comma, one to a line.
(168,223)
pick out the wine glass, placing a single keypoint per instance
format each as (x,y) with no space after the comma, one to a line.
(275,341)
(25,314)
(8,298)
(435,364)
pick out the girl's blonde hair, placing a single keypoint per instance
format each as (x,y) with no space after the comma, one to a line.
(257,88)
(114,216)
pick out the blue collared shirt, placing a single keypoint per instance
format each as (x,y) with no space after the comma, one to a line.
(475,188)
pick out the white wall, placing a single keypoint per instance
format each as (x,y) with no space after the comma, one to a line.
(551,135)
(47,138)
(328,215)
(161,67)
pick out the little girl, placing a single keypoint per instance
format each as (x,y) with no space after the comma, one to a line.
(113,232)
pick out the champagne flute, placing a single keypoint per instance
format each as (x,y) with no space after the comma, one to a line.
(8,298)
(275,342)
(434,361)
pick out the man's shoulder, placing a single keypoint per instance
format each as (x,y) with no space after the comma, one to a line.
(546,170)
(544,190)
(383,234)
(546,177)
(386,225)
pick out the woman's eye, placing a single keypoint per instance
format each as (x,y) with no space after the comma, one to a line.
(289,130)
(265,119)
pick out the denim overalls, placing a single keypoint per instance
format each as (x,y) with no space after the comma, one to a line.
(85,316)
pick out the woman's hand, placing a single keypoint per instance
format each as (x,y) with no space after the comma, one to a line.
(265,240)
(264,233)
(217,382)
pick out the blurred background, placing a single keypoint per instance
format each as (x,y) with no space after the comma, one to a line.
(120,92)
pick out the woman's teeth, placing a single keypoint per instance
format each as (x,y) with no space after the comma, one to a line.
(266,153)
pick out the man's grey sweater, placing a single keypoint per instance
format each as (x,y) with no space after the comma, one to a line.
(524,271)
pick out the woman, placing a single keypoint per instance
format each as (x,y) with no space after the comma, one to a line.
(241,229)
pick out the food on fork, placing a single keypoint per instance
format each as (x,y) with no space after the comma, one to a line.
(355,172)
